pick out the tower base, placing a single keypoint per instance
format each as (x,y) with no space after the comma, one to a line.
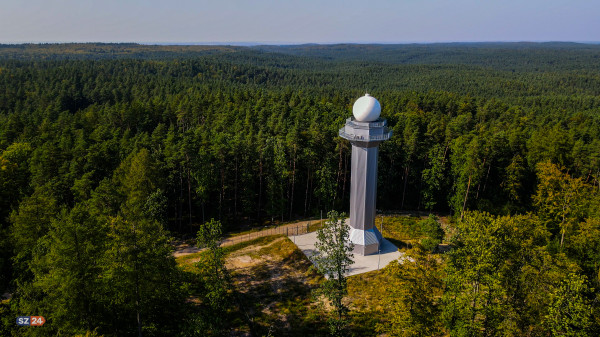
(366,242)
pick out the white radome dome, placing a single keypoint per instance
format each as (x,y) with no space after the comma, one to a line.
(366,109)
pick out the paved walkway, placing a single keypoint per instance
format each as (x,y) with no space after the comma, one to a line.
(306,243)
(362,264)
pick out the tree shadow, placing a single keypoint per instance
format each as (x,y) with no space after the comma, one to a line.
(400,244)
(278,296)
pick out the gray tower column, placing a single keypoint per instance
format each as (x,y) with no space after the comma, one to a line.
(365,138)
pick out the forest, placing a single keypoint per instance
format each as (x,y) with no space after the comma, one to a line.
(110,152)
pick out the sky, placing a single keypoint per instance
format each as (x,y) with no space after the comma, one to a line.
(293,22)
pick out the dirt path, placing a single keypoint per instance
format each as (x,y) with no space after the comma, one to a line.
(295,228)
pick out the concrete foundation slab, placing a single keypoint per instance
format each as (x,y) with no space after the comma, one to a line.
(362,264)
(366,242)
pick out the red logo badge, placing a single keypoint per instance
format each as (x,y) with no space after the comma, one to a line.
(37,320)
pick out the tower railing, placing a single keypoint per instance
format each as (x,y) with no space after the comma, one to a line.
(377,124)
(370,138)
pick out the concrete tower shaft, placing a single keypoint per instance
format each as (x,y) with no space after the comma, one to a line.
(365,137)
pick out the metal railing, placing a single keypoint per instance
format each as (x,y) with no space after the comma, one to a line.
(285,230)
(370,138)
(377,124)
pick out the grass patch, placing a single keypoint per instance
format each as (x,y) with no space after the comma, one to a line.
(365,291)
(314,226)
(405,231)
(187,262)
(402,231)
(259,241)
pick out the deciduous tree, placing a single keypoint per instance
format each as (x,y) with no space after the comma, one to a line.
(413,295)
(333,258)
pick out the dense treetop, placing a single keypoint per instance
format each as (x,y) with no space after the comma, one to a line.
(127,144)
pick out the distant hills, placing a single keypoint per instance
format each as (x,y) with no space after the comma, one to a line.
(107,50)
(498,55)
(509,55)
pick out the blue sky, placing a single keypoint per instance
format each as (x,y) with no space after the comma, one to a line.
(281,21)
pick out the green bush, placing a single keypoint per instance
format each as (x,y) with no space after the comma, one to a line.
(433,231)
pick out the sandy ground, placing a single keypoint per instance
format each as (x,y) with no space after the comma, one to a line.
(270,276)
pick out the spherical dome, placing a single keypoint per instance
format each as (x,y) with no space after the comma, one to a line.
(366,109)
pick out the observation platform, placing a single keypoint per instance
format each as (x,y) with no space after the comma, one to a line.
(365,132)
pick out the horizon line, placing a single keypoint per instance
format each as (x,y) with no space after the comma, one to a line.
(288,43)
